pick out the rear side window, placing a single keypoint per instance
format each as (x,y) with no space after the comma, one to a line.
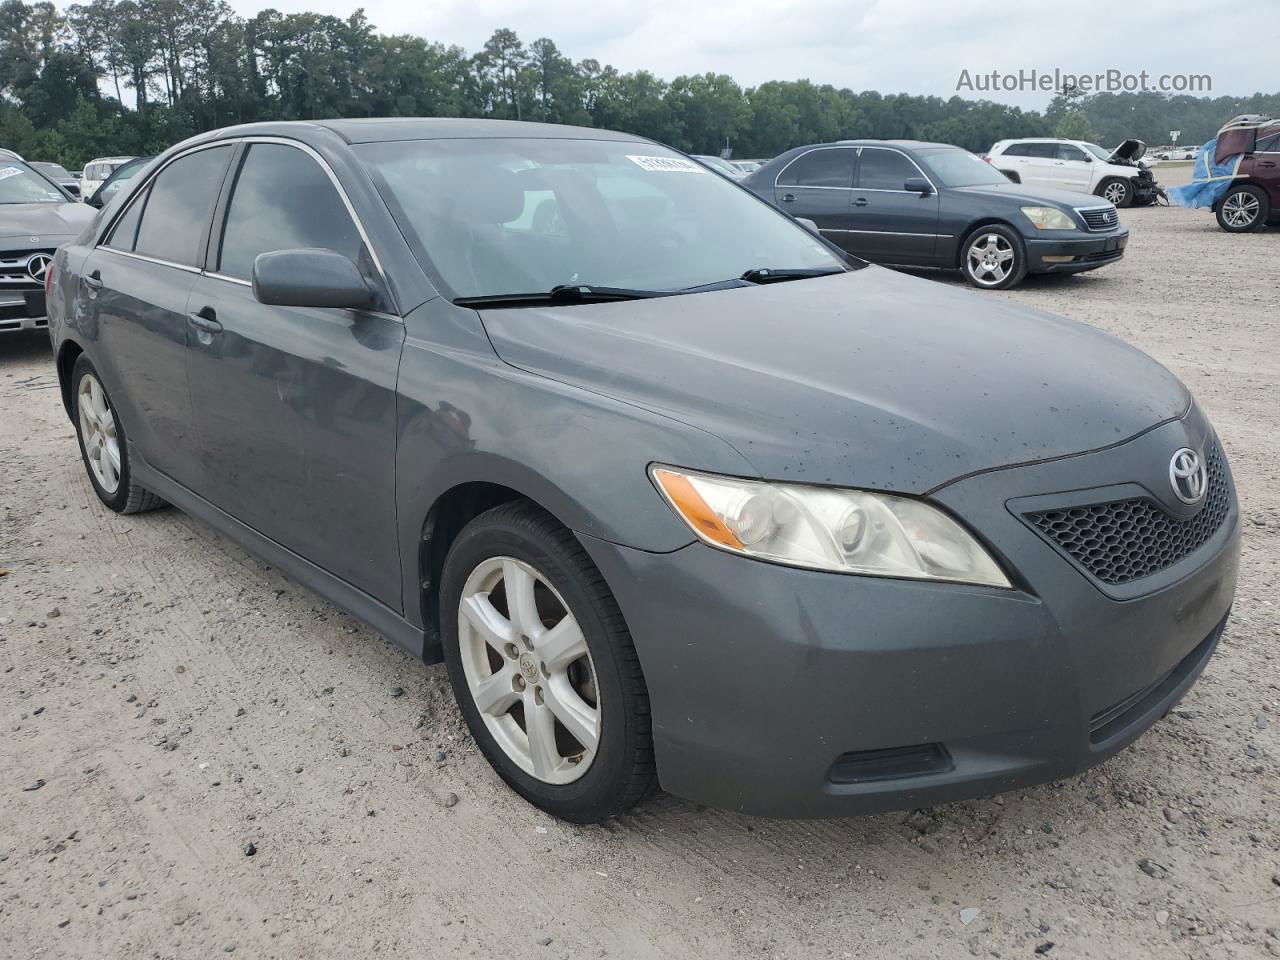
(1269,144)
(283,200)
(175,220)
(820,168)
(884,169)
(1045,151)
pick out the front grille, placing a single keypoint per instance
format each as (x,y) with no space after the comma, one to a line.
(1126,540)
(13,270)
(1100,218)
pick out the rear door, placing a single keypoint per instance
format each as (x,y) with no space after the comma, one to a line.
(1266,167)
(887,223)
(1072,168)
(133,293)
(1040,165)
(296,406)
(816,185)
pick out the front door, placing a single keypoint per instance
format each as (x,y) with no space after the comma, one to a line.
(888,223)
(816,186)
(1072,168)
(296,407)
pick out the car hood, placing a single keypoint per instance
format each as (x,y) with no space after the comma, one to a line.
(1130,150)
(1024,194)
(871,379)
(43,220)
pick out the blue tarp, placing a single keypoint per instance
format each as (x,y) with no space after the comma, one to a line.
(1209,180)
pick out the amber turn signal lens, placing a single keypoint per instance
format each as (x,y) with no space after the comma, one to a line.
(690,505)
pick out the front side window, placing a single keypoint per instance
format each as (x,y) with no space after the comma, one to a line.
(20,184)
(1067,152)
(884,169)
(175,220)
(282,200)
(506,216)
(820,168)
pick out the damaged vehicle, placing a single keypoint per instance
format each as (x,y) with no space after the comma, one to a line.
(1117,175)
(1237,175)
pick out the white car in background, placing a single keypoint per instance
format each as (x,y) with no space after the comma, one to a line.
(96,173)
(1115,175)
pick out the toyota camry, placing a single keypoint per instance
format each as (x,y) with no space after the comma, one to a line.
(681,493)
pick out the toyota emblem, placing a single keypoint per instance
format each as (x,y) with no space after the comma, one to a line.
(1187,476)
(38,265)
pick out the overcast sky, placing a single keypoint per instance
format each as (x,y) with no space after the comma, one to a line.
(910,46)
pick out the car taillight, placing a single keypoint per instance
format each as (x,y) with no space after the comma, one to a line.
(986,157)
(48,277)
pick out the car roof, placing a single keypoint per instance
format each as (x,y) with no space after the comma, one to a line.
(383,129)
(109,160)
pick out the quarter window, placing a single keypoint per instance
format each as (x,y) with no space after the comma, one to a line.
(884,169)
(125,231)
(175,220)
(1018,150)
(820,168)
(283,200)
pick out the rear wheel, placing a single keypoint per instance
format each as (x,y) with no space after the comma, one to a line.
(543,667)
(1117,190)
(102,444)
(993,257)
(1243,209)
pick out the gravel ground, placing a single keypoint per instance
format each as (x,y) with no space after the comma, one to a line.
(200,756)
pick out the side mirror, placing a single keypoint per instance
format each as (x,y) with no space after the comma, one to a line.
(309,278)
(95,199)
(918,185)
(808,225)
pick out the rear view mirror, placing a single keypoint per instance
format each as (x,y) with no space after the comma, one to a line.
(808,225)
(918,185)
(309,278)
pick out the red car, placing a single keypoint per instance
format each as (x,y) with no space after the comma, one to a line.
(1254,196)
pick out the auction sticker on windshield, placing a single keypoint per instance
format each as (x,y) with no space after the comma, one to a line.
(8,172)
(667,164)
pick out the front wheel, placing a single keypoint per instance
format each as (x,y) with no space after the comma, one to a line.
(993,258)
(543,667)
(1243,209)
(1118,191)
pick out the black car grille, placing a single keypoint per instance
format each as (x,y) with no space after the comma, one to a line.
(1100,218)
(1126,540)
(13,270)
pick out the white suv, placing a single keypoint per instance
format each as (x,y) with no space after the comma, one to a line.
(96,173)
(1116,175)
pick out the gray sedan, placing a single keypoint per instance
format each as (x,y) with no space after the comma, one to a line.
(907,203)
(680,493)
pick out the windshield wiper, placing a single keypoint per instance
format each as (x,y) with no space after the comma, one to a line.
(562,293)
(772,275)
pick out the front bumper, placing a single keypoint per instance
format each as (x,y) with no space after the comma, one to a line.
(22,310)
(788,692)
(1086,253)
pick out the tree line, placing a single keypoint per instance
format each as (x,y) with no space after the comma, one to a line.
(135,76)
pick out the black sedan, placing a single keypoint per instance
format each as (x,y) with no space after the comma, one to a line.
(908,203)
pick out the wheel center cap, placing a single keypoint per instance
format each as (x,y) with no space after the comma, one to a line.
(528,667)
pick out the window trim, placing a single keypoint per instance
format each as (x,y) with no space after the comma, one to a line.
(857,172)
(219,211)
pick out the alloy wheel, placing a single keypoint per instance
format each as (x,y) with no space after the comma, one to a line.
(989,259)
(1240,209)
(1114,192)
(528,670)
(98,428)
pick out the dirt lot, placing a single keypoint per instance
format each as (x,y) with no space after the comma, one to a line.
(180,700)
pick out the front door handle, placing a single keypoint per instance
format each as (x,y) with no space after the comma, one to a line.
(1266,163)
(861,202)
(788,198)
(205,320)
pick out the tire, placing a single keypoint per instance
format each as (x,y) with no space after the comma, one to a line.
(998,271)
(1117,190)
(1242,209)
(101,434)
(603,687)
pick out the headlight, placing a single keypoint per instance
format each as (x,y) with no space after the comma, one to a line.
(1048,218)
(846,531)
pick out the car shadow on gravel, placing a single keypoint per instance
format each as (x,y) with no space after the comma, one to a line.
(25,347)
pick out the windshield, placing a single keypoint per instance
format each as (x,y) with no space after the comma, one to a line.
(960,168)
(21,185)
(507,216)
(53,170)
(1097,151)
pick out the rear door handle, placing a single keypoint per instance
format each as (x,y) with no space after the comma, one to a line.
(205,320)
(861,202)
(788,198)
(1266,163)
(93,281)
